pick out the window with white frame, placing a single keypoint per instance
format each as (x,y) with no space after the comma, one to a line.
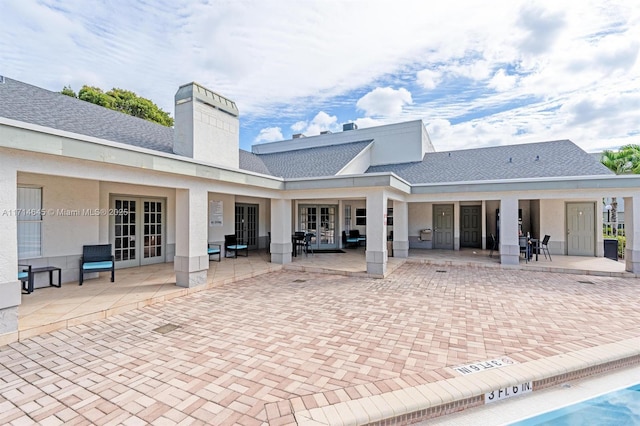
(347,217)
(29,218)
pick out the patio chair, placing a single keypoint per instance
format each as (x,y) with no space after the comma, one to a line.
(231,244)
(96,258)
(544,246)
(524,247)
(26,277)
(493,244)
(213,250)
(355,233)
(307,244)
(349,241)
(298,242)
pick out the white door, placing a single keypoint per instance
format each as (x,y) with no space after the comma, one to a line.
(581,229)
(137,234)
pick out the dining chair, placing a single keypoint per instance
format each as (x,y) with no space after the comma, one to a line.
(307,244)
(299,241)
(544,246)
(524,247)
(493,244)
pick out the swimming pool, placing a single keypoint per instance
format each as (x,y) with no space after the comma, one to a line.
(621,407)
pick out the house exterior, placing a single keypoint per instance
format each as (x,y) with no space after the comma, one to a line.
(73,173)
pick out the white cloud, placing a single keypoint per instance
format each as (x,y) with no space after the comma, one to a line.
(365,122)
(321,122)
(270,134)
(502,82)
(428,79)
(384,101)
(543,27)
(298,126)
(474,70)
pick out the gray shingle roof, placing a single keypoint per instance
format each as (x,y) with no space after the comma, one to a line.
(306,162)
(252,162)
(24,102)
(554,159)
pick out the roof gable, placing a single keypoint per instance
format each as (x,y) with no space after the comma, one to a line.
(305,162)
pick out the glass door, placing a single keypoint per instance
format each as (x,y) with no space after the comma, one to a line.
(327,227)
(247,224)
(125,230)
(137,232)
(153,243)
(319,220)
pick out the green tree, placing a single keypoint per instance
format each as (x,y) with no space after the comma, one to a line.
(124,101)
(66,90)
(624,161)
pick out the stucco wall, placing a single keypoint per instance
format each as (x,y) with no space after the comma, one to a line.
(552,223)
(420,217)
(67,226)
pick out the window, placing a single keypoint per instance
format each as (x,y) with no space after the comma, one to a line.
(347,218)
(29,218)
(361,217)
(390,217)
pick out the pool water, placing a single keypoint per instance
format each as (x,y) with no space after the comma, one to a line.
(621,407)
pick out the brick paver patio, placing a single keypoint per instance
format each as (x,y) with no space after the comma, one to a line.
(246,353)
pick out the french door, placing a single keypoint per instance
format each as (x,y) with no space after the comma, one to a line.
(247,224)
(319,220)
(138,231)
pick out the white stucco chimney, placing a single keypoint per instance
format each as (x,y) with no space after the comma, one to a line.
(206,126)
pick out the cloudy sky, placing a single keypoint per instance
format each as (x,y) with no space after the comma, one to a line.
(477,73)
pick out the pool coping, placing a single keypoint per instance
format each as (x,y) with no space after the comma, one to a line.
(415,403)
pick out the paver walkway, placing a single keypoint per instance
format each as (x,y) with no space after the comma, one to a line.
(243,353)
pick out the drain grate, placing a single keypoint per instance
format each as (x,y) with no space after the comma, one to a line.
(440,270)
(164,329)
(586,282)
(299,281)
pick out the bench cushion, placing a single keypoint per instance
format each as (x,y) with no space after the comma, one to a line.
(237,247)
(213,251)
(87,266)
(352,240)
(23,275)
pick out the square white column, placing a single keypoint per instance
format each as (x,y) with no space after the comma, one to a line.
(10,296)
(509,245)
(632,233)
(376,253)
(400,229)
(191,261)
(281,246)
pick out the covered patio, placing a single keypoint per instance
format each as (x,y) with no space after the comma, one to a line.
(49,309)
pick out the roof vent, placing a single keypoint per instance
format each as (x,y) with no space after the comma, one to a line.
(349,126)
(510,160)
(325,132)
(298,136)
(1,79)
(537,158)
